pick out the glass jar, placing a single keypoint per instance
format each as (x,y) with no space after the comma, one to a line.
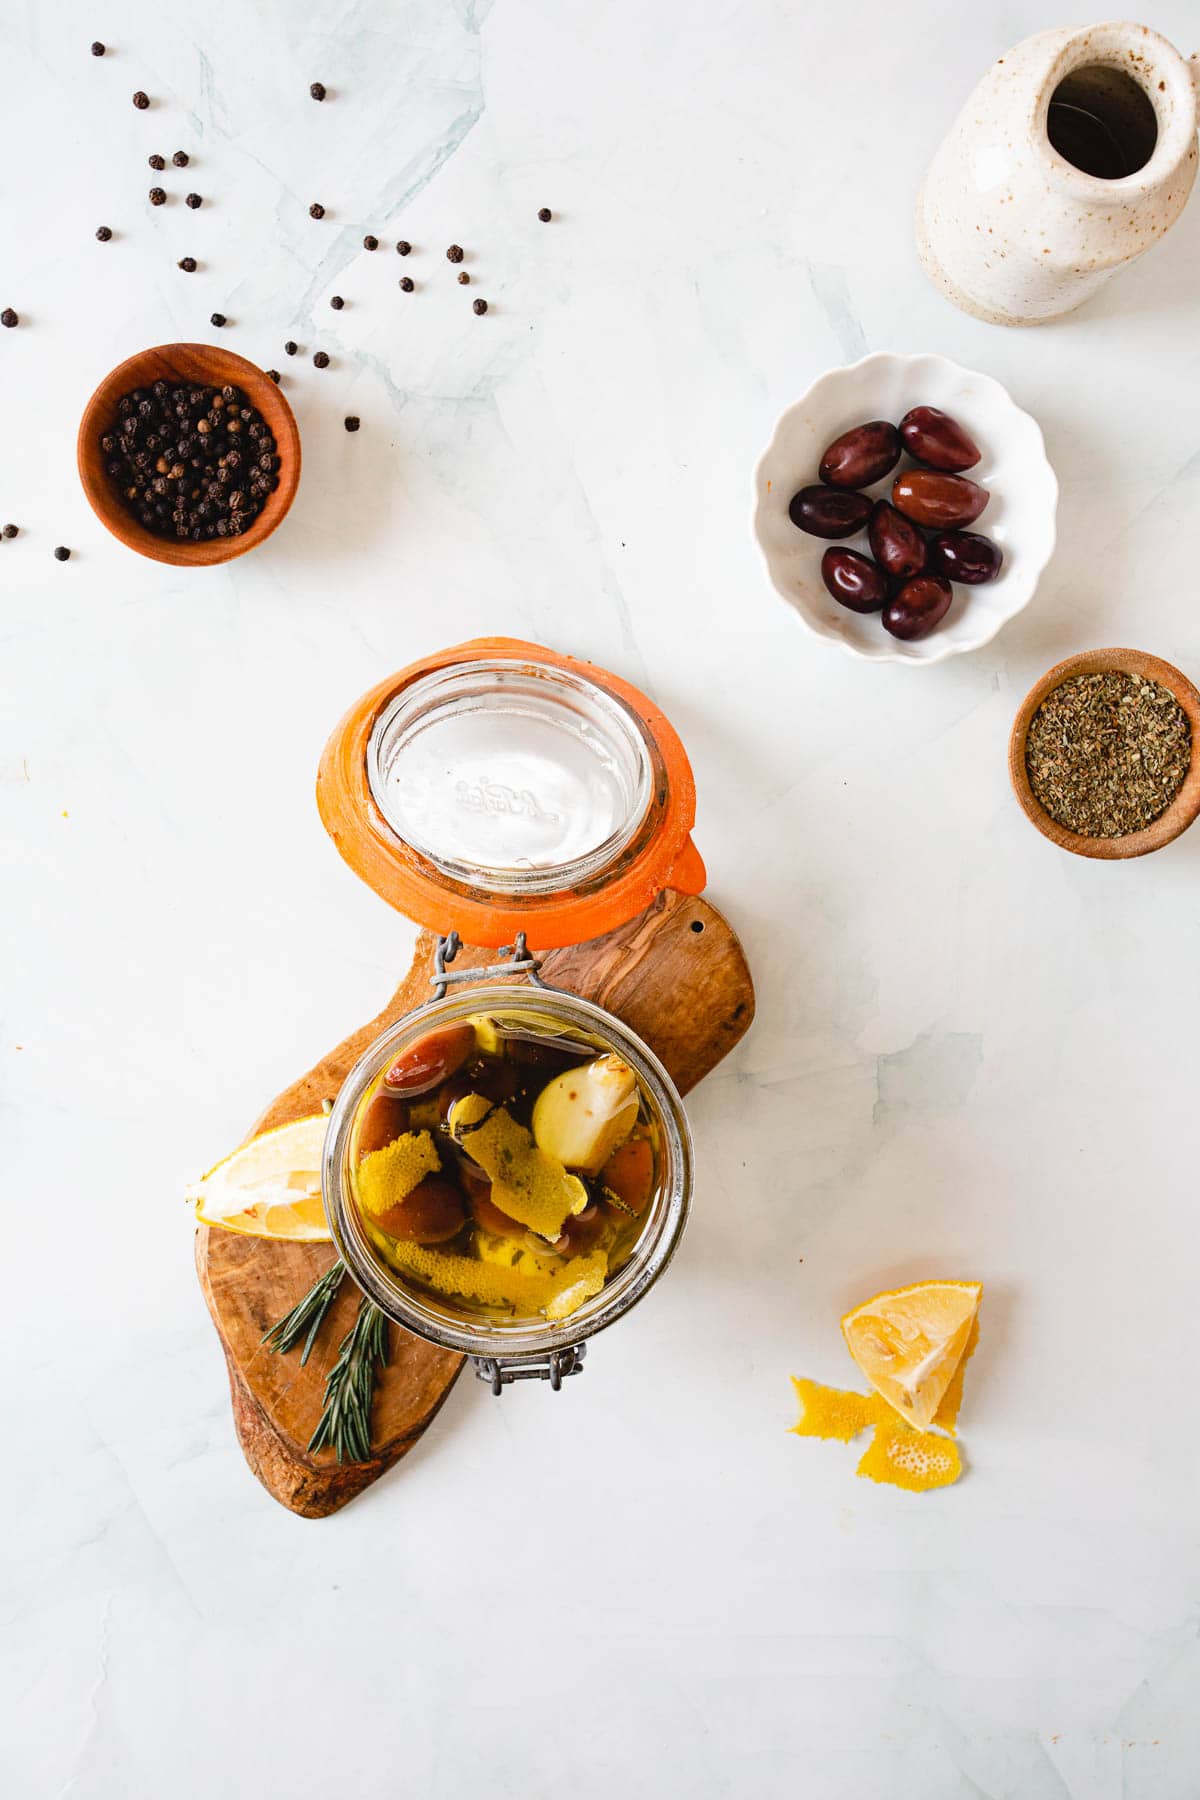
(499,789)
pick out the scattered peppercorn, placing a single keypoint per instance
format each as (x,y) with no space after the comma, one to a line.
(403,248)
(320,360)
(370,243)
(8,317)
(158,197)
(187,264)
(98,48)
(194,200)
(62,553)
(352,423)
(316,210)
(291,347)
(10,531)
(158,162)
(141,101)
(454,253)
(218,319)
(272,375)
(464,279)
(545,215)
(191,462)
(336,301)
(479,306)
(180,159)
(407,283)
(103,232)
(317,90)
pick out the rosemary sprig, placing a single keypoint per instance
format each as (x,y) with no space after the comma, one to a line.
(307,1313)
(345,1424)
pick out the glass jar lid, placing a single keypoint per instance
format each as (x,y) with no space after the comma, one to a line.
(498,786)
(513,776)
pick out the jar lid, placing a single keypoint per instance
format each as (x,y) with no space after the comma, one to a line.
(499,786)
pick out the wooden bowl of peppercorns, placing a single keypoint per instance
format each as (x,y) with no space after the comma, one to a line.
(189,454)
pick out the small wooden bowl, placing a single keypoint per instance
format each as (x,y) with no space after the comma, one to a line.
(1183,808)
(201,365)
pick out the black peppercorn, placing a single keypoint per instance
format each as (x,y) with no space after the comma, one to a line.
(187,264)
(8,317)
(158,162)
(193,200)
(463,279)
(158,197)
(218,319)
(403,248)
(141,101)
(103,233)
(454,253)
(317,90)
(180,159)
(320,360)
(291,347)
(62,553)
(272,375)
(479,306)
(98,48)
(174,459)
(370,243)
(407,283)
(336,301)
(352,423)
(10,531)
(545,215)
(316,210)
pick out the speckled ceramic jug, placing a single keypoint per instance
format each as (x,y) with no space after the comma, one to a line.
(1074,154)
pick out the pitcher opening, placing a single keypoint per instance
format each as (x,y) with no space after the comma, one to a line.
(1102,122)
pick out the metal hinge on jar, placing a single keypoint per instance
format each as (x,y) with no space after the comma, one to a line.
(516,959)
(553,1368)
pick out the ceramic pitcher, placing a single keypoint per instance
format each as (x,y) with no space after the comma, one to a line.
(1074,154)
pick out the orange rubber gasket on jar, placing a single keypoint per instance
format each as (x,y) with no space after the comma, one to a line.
(660,856)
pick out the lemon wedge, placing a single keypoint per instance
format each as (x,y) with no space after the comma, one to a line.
(269,1188)
(909,1342)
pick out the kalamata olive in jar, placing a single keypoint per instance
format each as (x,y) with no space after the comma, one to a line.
(965,556)
(933,437)
(916,608)
(433,1058)
(830,512)
(854,580)
(942,502)
(895,541)
(861,456)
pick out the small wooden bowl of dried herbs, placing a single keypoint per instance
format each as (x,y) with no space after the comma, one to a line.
(189,454)
(1105,753)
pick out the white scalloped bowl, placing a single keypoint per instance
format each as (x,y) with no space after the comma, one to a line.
(1014,467)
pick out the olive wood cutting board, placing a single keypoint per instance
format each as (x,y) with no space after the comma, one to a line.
(676,975)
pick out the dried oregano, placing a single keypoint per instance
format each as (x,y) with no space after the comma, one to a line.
(1107,753)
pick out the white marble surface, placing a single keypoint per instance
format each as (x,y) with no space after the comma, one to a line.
(973,1055)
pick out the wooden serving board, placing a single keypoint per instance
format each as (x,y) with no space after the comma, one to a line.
(677,976)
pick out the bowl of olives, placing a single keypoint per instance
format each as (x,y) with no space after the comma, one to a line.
(905,508)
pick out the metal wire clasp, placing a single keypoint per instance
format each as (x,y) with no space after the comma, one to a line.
(519,960)
(554,1368)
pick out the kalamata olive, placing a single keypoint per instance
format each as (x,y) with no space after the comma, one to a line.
(854,580)
(861,456)
(935,438)
(431,1059)
(383,1120)
(895,541)
(940,501)
(433,1212)
(830,512)
(918,606)
(965,556)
